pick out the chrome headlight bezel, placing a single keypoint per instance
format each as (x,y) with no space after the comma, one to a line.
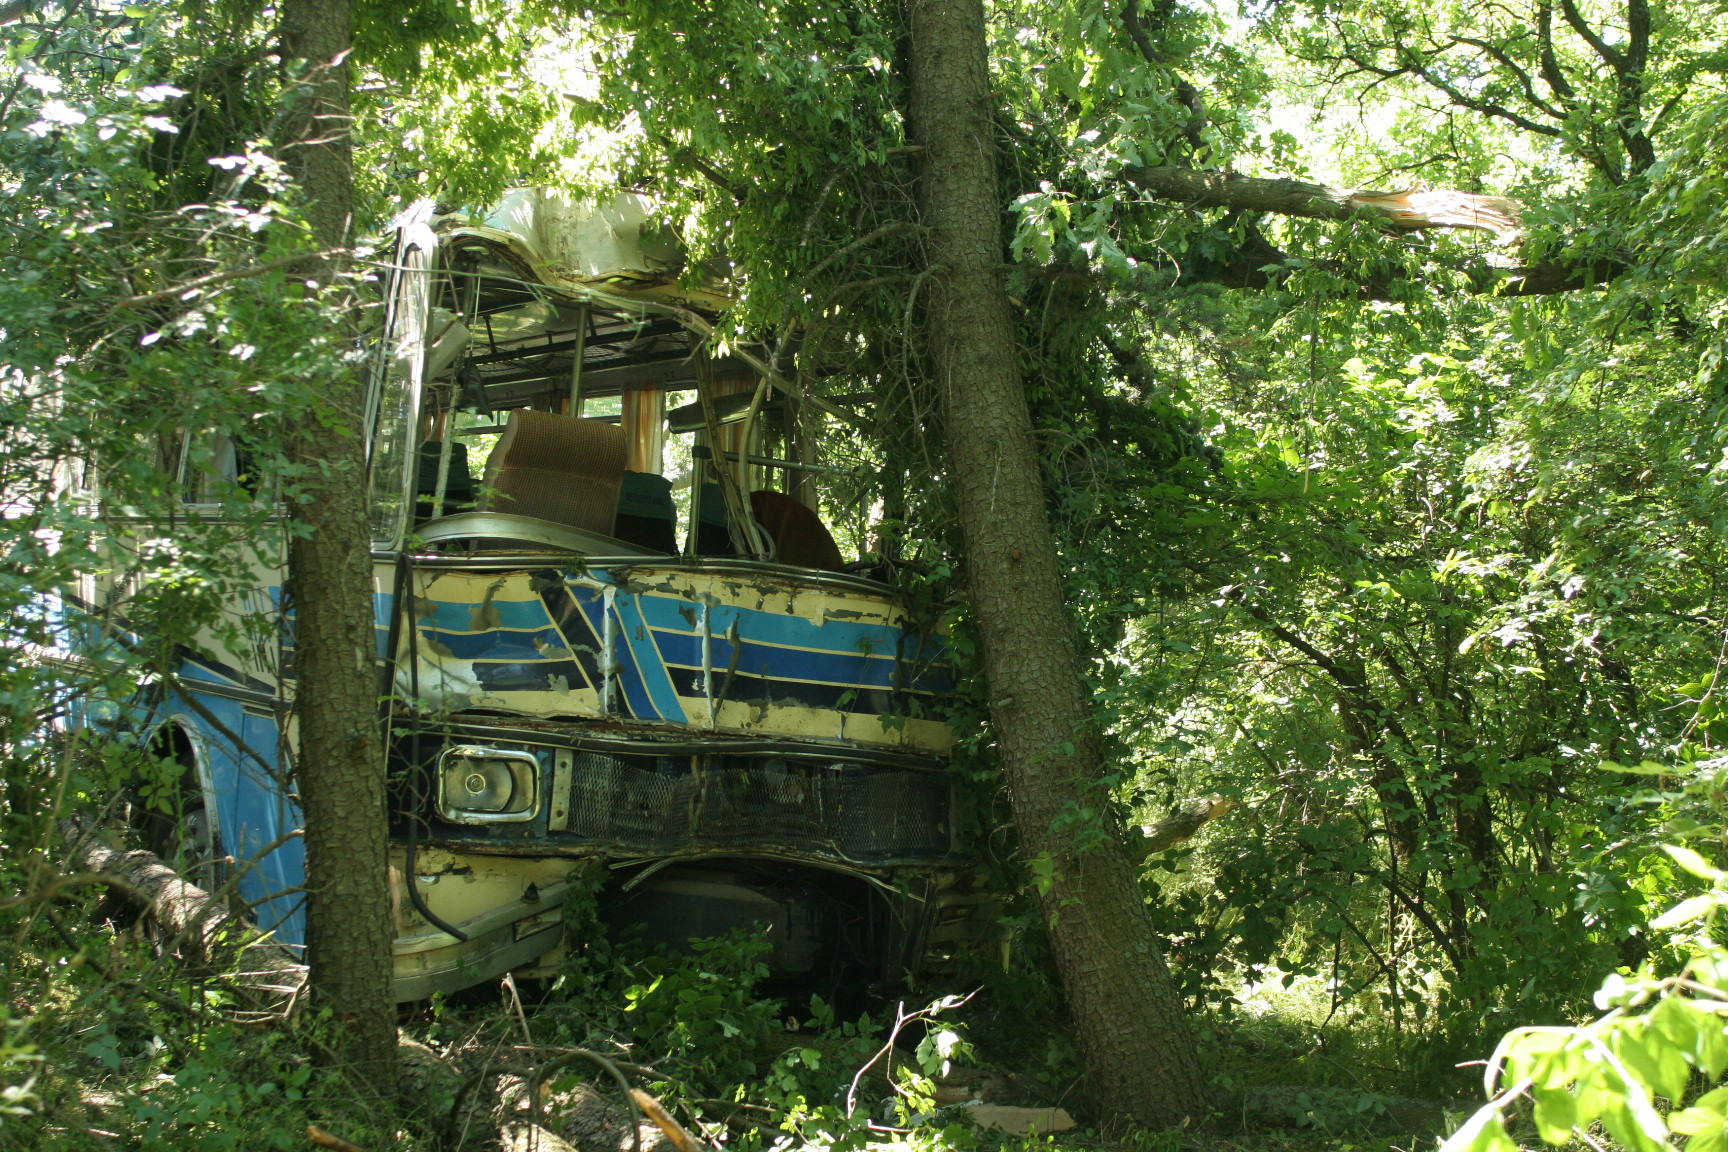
(459,765)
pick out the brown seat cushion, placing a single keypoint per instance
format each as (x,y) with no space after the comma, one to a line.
(558,468)
(800,537)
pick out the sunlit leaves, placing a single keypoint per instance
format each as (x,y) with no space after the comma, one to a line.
(1656,1038)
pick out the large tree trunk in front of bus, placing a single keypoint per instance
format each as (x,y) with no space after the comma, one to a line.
(340,769)
(1139,1051)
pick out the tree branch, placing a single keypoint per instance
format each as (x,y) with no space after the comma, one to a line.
(1421,70)
(1630,108)
(1609,56)
(1557,82)
(221,278)
(205,929)
(1180,825)
(1190,97)
(1525,82)
(1407,210)
(1258,265)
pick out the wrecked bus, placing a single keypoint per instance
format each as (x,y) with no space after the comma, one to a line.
(616,637)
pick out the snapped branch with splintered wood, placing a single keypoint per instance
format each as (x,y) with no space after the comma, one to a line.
(1407,210)
(1180,825)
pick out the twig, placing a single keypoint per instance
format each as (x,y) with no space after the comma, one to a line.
(325,1140)
(900,1021)
(221,278)
(902,1018)
(575,1054)
(675,1132)
(516,999)
(892,228)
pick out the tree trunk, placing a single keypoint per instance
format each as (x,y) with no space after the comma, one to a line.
(1139,1052)
(340,770)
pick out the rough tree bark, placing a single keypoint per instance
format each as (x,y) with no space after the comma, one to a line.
(340,770)
(1139,1051)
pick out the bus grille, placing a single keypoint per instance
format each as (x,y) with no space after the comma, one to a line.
(856,813)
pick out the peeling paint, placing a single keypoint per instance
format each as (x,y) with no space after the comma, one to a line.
(485,614)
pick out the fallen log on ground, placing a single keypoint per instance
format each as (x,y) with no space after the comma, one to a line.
(199,924)
(581,1117)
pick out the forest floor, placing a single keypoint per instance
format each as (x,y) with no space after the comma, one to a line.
(499,1068)
(1292,1071)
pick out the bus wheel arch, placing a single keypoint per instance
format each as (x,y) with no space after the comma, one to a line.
(186,836)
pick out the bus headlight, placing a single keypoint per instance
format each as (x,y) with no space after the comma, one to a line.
(487,786)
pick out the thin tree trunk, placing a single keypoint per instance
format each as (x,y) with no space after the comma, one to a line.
(340,769)
(1138,1048)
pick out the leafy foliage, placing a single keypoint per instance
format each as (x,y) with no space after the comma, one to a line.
(1659,1039)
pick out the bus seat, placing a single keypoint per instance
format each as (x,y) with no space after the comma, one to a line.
(713,537)
(558,468)
(647,515)
(458,481)
(800,537)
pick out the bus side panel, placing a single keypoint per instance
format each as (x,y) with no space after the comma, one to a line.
(253,808)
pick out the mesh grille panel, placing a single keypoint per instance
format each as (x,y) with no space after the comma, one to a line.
(858,813)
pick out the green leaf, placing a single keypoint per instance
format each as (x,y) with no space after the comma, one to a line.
(1634,1123)
(1657,1064)
(1541,1055)
(1483,1132)
(1556,1114)
(1693,863)
(1647,768)
(1685,912)
(1696,1121)
(1696,1034)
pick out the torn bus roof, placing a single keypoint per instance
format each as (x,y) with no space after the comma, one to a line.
(616,248)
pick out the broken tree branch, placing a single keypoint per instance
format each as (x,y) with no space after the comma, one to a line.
(1180,825)
(1407,210)
(326,1140)
(666,1122)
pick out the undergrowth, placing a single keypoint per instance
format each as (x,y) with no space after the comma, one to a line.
(95,1057)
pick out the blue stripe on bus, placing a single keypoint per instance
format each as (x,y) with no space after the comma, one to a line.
(645,653)
(501,645)
(883,641)
(458,615)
